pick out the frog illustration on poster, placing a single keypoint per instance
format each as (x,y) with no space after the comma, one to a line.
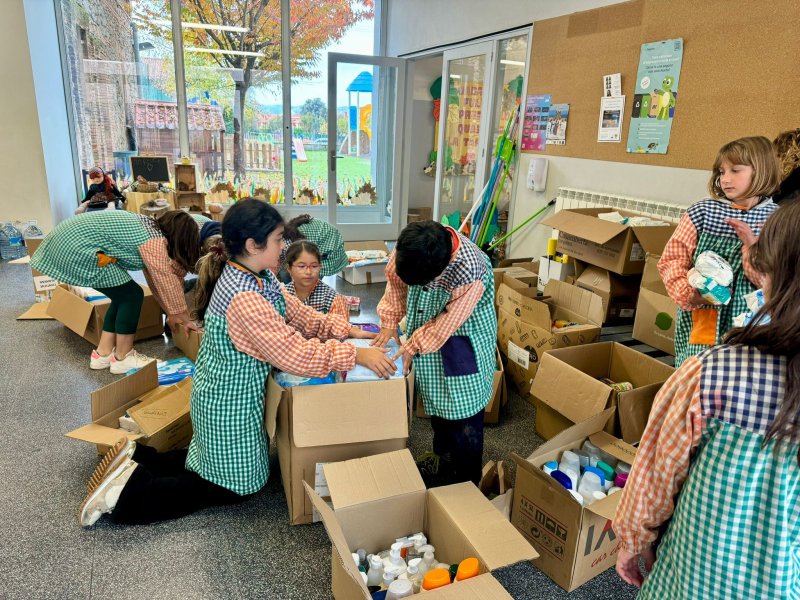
(655,96)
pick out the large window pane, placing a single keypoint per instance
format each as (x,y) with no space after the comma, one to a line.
(121,78)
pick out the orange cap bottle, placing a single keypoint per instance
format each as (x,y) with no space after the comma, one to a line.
(467,568)
(435,578)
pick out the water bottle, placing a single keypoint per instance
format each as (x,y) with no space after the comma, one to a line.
(11,245)
(32,230)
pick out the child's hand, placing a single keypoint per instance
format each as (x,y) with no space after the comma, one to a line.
(182,319)
(407,358)
(696,299)
(376,360)
(628,565)
(743,231)
(384,336)
(361,334)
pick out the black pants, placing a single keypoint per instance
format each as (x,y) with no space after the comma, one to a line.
(459,444)
(161,488)
(123,313)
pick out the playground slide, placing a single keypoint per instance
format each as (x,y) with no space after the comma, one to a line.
(298,150)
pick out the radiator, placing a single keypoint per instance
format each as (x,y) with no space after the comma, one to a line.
(573,198)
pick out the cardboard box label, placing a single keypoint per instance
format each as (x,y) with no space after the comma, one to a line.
(626,313)
(544,530)
(637,252)
(43,283)
(518,355)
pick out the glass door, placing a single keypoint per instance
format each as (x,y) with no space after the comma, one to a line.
(365,112)
(463,119)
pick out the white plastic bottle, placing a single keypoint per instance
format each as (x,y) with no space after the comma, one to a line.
(590,483)
(375,573)
(395,562)
(428,563)
(388,578)
(399,588)
(414,576)
(569,460)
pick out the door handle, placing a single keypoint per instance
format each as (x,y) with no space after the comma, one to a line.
(332,160)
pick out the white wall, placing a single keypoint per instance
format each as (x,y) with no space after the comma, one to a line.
(421,187)
(415,25)
(22,168)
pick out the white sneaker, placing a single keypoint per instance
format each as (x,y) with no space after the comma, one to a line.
(116,455)
(104,498)
(98,362)
(132,360)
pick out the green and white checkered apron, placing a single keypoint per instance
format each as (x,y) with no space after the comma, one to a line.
(69,253)
(330,243)
(462,396)
(229,446)
(735,533)
(714,234)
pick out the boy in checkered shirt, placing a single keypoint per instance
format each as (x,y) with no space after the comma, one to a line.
(443,284)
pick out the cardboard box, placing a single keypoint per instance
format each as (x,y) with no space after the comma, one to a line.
(380,498)
(568,390)
(86,318)
(619,293)
(43,285)
(499,395)
(618,248)
(162,412)
(656,312)
(187,341)
(367,273)
(517,268)
(328,423)
(420,213)
(575,543)
(552,269)
(135,200)
(524,326)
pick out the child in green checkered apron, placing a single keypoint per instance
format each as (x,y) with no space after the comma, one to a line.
(720,458)
(327,238)
(744,176)
(98,250)
(443,284)
(250,326)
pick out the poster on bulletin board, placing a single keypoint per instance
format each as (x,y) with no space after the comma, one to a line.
(534,126)
(655,96)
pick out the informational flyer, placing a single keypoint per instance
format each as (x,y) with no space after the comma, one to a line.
(557,124)
(534,126)
(655,96)
(609,129)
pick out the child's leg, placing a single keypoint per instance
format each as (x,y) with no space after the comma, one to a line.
(459,444)
(122,317)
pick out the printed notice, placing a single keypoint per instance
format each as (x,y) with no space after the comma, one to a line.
(518,355)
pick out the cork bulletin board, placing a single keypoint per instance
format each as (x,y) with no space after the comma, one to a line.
(740,74)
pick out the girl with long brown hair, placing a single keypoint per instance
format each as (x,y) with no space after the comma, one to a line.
(721,453)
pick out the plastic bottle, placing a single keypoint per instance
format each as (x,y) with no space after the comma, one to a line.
(549,467)
(590,483)
(467,568)
(375,573)
(577,497)
(388,578)
(620,480)
(414,576)
(396,562)
(399,588)
(608,473)
(597,472)
(362,559)
(562,478)
(583,457)
(11,245)
(32,230)
(435,578)
(573,475)
(428,563)
(419,540)
(623,467)
(614,490)
(569,460)
(593,452)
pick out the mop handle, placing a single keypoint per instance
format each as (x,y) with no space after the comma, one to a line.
(525,222)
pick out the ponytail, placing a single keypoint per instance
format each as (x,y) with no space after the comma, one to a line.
(292,231)
(209,268)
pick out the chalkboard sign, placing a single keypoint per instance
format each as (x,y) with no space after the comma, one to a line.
(152,168)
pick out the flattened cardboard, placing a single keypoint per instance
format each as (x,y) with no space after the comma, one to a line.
(578,369)
(524,329)
(37,312)
(187,341)
(163,410)
(457,519)
(656,312)
(618,293)
(575,543)
(86,318)
(331,423)
(618,248)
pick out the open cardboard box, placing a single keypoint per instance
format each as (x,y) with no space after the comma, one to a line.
(367,273)
(187,341)
(86,318)
(317,424)
(575,543)
(522,270)
(619,293)
(524,326)
(377,499)
(618,248)
(162,412)
(491,413)
(553,269)
(567,388)
(656,312)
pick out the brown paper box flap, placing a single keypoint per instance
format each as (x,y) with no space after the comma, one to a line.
(569,391)
(524,308)
(651,278)
(372,478)
(374,245)
(162,406)
(100,434)
(653,239)
(337,537)
(613,446)
(69,309)
(607,507)
(639,369)
(273,400)
(496,542)
(578,432)
(324,415)
(124,390)
(482,587)
(576,300)
(37,311)
(583,223)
